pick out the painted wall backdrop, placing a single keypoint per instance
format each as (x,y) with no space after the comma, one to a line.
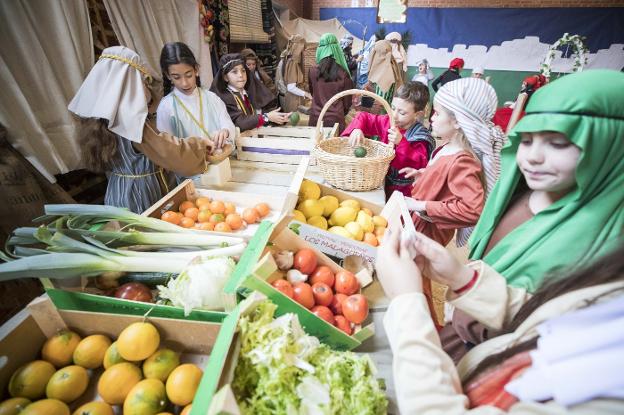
(510,43)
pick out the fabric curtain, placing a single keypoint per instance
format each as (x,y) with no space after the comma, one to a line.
(146,25)
(46,50)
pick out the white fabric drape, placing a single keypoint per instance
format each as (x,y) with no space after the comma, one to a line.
(146,25)
(46,50)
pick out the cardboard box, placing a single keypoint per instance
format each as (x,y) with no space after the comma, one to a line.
(395,212)
(257,270)
(22,337)
(285,145)
(216,174)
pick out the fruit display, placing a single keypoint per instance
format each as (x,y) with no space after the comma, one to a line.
(215,215)
(346,218)
(134,373)
(333,297)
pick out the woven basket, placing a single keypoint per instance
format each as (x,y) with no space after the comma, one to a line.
(339,167)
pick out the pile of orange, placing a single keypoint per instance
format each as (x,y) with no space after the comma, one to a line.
(215,215)
(133,372)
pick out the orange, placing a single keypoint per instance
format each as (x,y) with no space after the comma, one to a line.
(217,206)
(187,410)
(185,205)
(207,226)
(138,341)
(204,216)
(371,239)
(192,213)
(148,397)
(91,350)
(187,222)
(160,364)
(13,406)
(182,384)
(368,212)
(112,356)
(30,380)
(171,217)
(164,413)
(229,208)
(95,408)
(251,215)
(216,218)
(68,383)
(46,407)
(234,221)
(116,382)
(201,201)
(379,232)
(222,227)
(263,209)
(59,349)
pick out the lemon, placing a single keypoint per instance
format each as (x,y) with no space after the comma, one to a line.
(368,211)
(351,203)
(310,208)
(380,221)
(30,380)
(342,216)
(339,230)
(13,406)
(138,341)
(91,350)
(299,216)
(309,190)
(318,221)
(160,364)
(68,383)
(356,230)
(365,221)
(112,356)
(330,203)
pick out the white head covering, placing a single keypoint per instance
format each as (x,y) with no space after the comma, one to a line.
(346,41)
(429,71)
(398,51)
(114,90)
(474,101)
(478,69)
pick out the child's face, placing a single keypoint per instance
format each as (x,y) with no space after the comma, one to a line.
(422,68)
(184,77)
(405,114)
(251,64)
(548,161)
(237,77)
(443,124)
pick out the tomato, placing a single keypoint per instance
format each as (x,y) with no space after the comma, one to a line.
(355,308)
(285,287)
(134,291)
(343,324)
(346,283)
(323,274)
(336,304)
(303,294)
(324,313)
(305,261)
(323,295)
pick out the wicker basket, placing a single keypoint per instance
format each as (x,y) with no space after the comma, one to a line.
(339,167)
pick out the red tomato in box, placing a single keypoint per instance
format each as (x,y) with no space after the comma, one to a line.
(285,287)
(355,308)
(346,283)
(134,291)
(323,295)
(336,304)
(343,324)
(323,274)
(324,313)
(303,294)
(305,261)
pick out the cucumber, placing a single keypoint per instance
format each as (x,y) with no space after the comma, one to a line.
(151,279)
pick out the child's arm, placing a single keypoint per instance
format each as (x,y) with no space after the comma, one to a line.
(369,124)
(464,209)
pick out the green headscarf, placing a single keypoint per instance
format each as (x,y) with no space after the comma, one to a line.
(586,223)
(328,46)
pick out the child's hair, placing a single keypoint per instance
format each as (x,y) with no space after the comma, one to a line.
(97,143)
(174,53)
(415,93)
(228,63)
(329,69)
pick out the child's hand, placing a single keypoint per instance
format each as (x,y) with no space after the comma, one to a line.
(411,173)
(210,146)
(278,117)
(356,138)
(394,136)
(396,270)
(220,137)
(414,205)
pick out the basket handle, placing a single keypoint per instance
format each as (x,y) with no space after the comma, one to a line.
(319,123)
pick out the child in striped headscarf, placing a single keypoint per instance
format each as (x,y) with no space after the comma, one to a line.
(450,192)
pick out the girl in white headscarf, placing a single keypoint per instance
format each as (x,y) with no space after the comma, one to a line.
(424,75)
(117,138)
(398,51)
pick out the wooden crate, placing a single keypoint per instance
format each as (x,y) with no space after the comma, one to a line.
(284,145)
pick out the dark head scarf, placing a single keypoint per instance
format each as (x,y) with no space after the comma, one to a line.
(263,96)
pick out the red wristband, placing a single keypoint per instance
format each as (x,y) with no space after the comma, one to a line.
(260,121)
(469,285)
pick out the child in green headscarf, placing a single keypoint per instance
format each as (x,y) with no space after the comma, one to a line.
(330,76)
(559,201)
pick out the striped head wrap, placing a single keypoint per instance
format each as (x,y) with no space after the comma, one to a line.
(473,102)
